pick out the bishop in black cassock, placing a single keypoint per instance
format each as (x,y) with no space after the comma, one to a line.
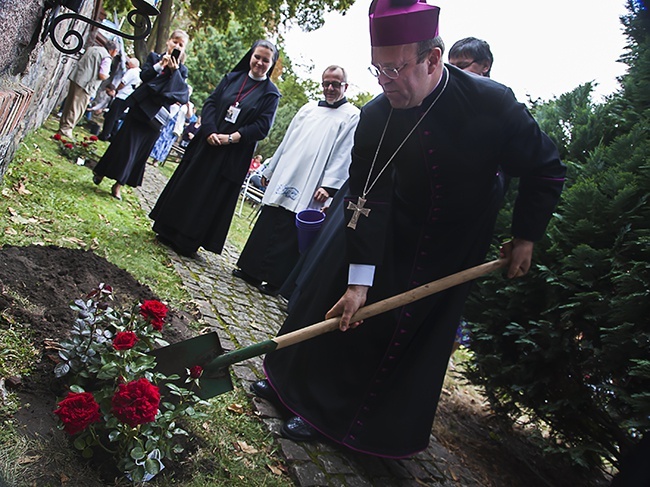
(375,388)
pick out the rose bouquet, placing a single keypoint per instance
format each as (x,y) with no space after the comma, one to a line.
(115,402)
(75,151)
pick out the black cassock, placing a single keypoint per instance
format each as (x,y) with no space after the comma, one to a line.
(196,207)
(375,389)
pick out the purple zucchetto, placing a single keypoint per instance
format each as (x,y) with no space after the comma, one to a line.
(396,22)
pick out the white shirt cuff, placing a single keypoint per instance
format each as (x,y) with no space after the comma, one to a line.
(361,275)
(158,67)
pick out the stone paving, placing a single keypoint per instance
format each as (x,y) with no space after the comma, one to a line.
(241,316)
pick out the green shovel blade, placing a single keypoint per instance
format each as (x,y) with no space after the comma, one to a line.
(200,350)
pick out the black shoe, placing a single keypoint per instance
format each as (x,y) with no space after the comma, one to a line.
(297,429)
(263,389)
(97,179)
(246,277)
(268,289)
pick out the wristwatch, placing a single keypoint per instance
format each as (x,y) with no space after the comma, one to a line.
(230,138)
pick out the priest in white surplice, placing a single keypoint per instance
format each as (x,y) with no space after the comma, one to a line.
(307,169)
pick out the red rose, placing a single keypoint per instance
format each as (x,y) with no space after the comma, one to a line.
(56,136)
(136,402)
(196,371)
(85,144)
(154,312)
(93,138)
(77,411)
(124,340)
(68,145)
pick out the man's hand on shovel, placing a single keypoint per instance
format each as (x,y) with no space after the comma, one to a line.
(520,254)
(353,299)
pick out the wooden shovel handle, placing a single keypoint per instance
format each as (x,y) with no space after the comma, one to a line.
(391,303)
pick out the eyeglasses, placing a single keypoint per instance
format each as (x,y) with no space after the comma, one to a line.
(392,73)
(334,84)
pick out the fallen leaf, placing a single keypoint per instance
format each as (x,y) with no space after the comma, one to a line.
(275,469)
(11,211)
(75,240)
(28,459)
(21,189)
(246,448)
(51,344)
(10,231)
(22,220)
(236,408)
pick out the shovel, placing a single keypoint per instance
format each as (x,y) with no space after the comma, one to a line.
(205,350)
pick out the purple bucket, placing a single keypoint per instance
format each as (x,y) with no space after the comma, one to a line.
(308,223)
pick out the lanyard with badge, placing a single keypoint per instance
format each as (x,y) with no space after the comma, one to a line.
(233,111)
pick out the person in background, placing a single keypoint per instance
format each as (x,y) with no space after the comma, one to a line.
(91,69)
(424,195)
(256,162)
(127,85)
(309,166)
(197,205)
(256,176)
(171,132)
(472,55)
(95,113)
(168,135)
(163,84)
(190,131)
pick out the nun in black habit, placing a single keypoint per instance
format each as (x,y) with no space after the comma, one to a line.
(196,207)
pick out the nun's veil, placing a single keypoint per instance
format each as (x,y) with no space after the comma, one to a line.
(245,63)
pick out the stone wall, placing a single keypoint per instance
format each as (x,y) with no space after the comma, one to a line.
(33,73)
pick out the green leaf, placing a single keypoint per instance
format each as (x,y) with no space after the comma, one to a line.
(61,369)
(108,371)
(152,466)
(80,443)
(137,453)
(137,474)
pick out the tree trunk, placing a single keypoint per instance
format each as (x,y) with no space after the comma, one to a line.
(164,22)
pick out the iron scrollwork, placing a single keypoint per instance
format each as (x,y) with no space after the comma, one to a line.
(72,40)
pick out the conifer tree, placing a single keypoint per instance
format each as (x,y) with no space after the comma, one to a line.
(568,344)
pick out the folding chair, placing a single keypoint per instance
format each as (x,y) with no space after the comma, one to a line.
(251,193)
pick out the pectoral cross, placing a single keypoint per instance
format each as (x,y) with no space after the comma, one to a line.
(358,210)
